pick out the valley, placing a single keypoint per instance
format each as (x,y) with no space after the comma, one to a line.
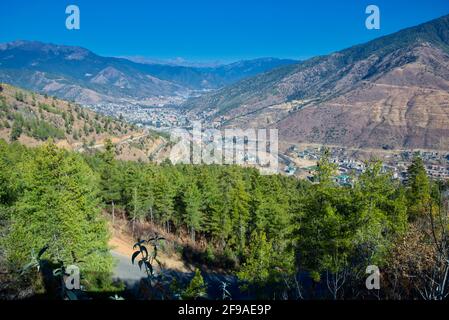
(263,178)
(389,93)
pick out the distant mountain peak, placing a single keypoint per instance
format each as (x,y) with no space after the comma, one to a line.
(27,45)
(61,70)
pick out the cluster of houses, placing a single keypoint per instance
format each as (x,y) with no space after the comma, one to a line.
(436,163)
(153,117)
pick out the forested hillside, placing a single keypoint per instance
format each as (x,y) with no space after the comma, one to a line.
(282,237)
(32,119)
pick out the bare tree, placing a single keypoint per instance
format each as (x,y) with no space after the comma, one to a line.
(335,281)
(437,220)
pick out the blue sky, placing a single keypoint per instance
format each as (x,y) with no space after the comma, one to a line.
(208,30)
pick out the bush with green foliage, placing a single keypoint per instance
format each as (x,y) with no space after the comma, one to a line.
(196,288)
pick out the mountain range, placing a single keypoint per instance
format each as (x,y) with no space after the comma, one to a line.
(75,73)
(392,92)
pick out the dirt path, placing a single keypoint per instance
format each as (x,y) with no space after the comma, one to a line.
(122,245)
(173,266)
(124,140)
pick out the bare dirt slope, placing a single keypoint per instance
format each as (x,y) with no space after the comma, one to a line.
(391,92)
(406,107)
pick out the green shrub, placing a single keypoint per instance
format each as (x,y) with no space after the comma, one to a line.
(196,288)
(43,130)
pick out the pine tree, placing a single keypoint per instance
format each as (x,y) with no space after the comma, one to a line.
(16,130)
(418,189)
(266,268)
(326,170)
(109,182)
(325,228)
(147,191)
(192,203)
(272,214)
(164,192)
(217,216)
(239,210)
(133,192)
(59,209)
(256,269)
(196,288)
(380,207)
